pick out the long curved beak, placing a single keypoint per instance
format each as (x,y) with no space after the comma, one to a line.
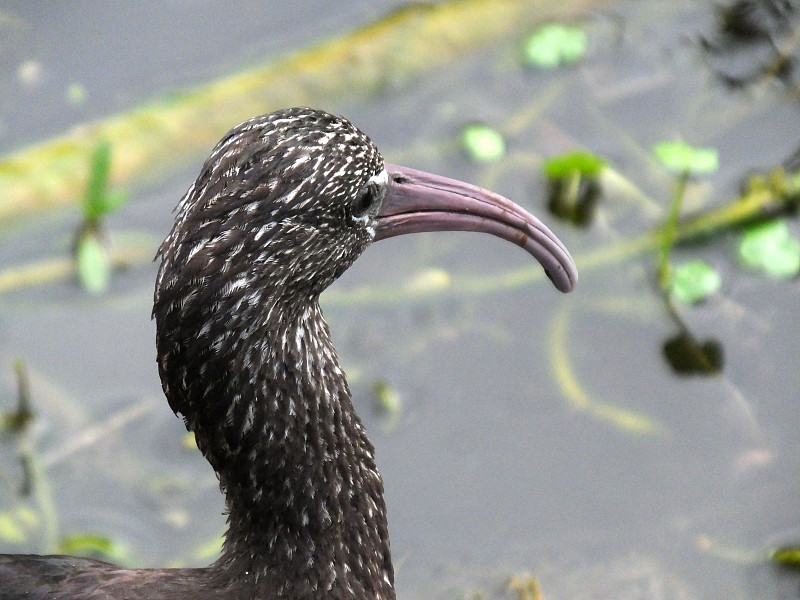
(416,202)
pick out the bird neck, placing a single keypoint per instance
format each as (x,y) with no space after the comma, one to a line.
(307,516)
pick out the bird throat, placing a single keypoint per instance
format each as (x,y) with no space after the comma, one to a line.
(306,510)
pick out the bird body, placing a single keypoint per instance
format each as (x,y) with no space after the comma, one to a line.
(34,577)
(284,204)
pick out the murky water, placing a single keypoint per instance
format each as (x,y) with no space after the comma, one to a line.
(489,469)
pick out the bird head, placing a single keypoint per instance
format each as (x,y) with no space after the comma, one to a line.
(287,201)
(283,205)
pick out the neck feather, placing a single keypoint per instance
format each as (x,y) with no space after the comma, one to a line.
(307,516)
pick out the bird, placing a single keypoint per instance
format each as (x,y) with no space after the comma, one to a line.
(282,207)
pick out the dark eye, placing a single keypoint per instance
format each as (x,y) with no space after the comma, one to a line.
(367,197)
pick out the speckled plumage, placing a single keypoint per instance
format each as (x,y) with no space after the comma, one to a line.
(283,205)
(245,355)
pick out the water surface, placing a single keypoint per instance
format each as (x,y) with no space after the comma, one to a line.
(489,470)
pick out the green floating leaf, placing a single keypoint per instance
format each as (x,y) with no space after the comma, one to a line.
(680,157)
(93,546)
(770,248)
(17,524)
(93,263)
(574,187)
(554,44)
(10,530)
(584,163)
(787,556)
(387,399)
(694,281)
(482,143)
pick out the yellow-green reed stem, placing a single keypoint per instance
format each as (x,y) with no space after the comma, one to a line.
(164,133)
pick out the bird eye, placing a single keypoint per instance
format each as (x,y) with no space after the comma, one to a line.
(367,197)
